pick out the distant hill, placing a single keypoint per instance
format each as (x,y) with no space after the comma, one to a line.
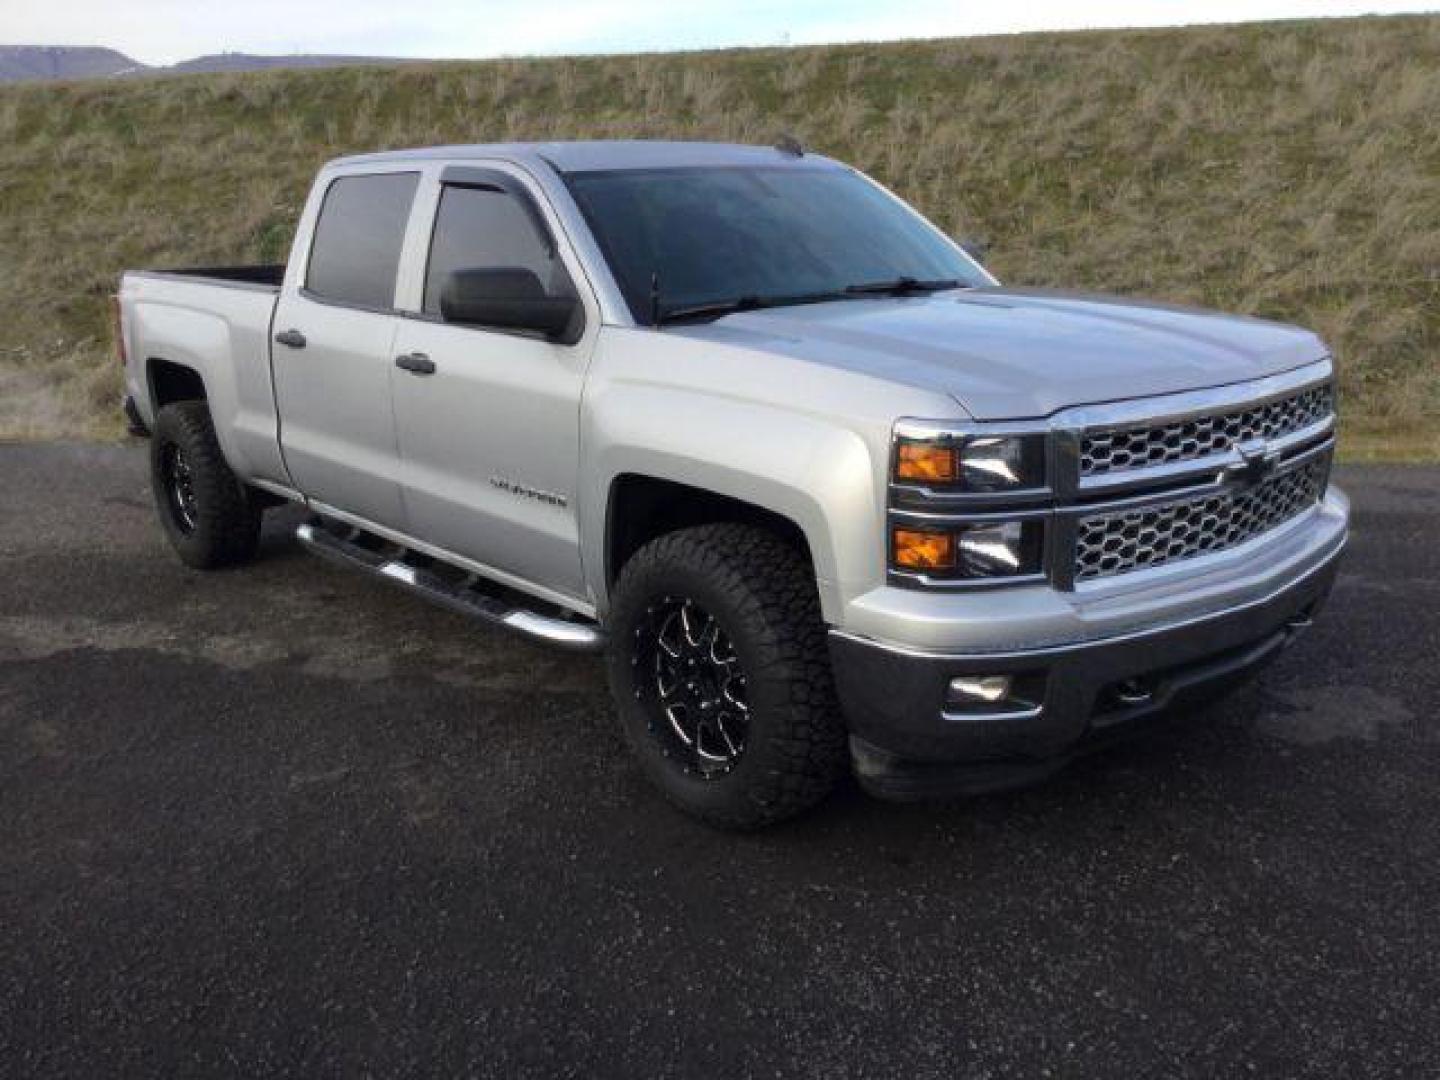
(250,62)
(28,63)
(36,63)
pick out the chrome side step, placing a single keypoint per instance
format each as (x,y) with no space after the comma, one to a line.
(466,595)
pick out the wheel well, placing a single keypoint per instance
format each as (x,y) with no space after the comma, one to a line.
(643,507)
(170,382)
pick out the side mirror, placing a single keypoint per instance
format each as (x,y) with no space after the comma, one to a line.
(510,298)
(976,249)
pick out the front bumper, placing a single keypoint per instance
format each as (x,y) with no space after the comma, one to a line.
(909,742)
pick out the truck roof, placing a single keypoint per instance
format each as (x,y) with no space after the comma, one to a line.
(598,154)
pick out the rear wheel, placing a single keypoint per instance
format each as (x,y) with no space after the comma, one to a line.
(210,518)
(721,675)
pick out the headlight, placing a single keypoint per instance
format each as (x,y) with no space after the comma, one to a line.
(993,462)
(972,463)
(997,549)
(993,550)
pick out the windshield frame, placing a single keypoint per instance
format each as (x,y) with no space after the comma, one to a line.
(640,314)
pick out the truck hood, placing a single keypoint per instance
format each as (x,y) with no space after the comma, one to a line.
(1021,353)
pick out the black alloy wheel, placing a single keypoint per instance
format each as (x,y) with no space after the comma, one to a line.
(700,715)
(179,485)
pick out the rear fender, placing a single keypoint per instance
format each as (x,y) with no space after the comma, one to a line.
(233,365)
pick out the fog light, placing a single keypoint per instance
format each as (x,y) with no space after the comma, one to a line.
(987,689)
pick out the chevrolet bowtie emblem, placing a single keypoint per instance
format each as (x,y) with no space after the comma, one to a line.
(1257,461)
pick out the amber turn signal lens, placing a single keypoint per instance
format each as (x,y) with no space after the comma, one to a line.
(915,550)
(925,461)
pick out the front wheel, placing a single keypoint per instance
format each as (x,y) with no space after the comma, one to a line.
(721,675)
(209,516)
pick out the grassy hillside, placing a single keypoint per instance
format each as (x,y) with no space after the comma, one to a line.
(1291,170)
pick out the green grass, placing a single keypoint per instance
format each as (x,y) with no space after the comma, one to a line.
(1290,170)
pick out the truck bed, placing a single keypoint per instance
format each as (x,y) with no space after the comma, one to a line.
(263,275)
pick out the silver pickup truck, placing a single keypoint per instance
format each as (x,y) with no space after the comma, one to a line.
(826,494)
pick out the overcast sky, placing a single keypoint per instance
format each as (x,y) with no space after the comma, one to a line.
(163,31)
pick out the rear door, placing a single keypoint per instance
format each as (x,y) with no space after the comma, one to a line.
(333,350)
(489,429)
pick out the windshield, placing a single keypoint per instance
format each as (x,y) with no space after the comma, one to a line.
(767,235)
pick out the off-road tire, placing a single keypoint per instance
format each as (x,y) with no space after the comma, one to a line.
(761,592)
(225,529)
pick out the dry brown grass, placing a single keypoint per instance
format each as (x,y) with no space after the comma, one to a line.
(1290,170)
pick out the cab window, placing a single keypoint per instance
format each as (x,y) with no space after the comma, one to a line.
(355,254)
(480,227)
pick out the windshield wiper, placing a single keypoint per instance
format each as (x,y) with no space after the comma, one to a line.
(710,310)
(901,286)
(715,309)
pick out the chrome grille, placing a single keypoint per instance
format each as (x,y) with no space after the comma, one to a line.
(1117,543)
(1137,447)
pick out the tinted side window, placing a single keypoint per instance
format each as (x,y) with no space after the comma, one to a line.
(481,227)
(356,250)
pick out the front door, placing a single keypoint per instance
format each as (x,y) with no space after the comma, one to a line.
(333,352)
(488,421)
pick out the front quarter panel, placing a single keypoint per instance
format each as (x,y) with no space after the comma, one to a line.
(794,438)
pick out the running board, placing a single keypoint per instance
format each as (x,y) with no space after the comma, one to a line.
(463,596)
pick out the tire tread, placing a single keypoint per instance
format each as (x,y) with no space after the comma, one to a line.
(778,608)
(227,530)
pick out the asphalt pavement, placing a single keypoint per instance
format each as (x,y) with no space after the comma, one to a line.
(287,820)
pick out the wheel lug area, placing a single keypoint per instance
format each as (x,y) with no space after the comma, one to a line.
(698,720)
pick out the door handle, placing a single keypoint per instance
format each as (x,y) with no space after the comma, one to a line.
(293,338)
(416,363)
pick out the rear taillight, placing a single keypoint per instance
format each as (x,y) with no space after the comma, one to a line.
(117,329)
